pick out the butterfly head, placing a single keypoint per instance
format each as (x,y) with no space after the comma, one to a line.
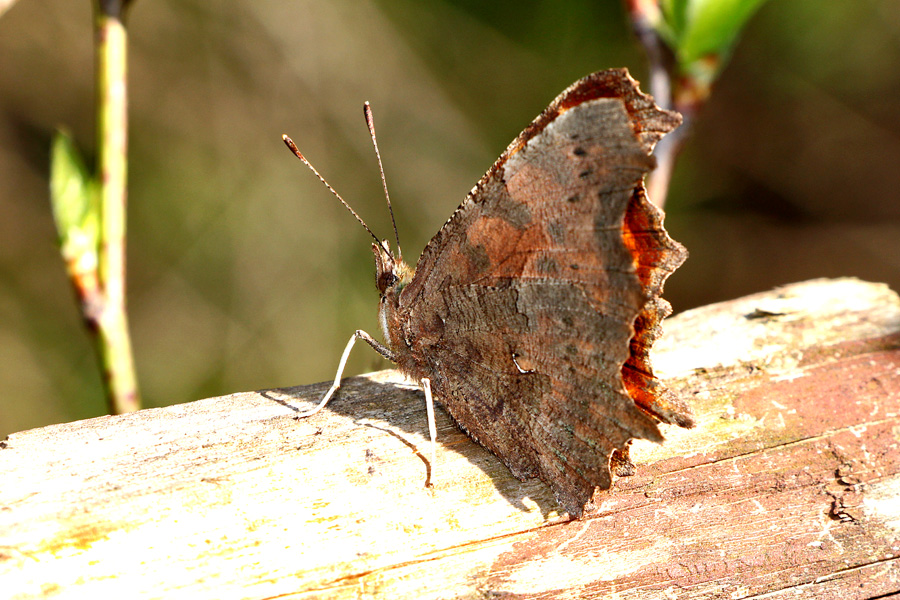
(391,276)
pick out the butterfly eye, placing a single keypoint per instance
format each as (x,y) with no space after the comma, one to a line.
(386,281)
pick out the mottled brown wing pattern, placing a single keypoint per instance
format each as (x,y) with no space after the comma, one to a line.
(522,309)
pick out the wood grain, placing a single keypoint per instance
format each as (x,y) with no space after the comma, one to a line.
(789,486)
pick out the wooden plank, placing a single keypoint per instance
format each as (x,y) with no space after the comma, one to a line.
(789,486)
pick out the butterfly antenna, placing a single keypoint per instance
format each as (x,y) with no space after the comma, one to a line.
(371,124)
(293,147)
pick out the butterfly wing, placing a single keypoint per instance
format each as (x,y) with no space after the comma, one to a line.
(522,309)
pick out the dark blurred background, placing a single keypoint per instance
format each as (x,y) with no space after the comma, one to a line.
(245,274)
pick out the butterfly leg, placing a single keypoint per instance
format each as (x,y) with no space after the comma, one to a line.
(432,430)
(358,335)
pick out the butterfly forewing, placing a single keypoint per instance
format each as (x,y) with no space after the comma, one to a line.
(522,308)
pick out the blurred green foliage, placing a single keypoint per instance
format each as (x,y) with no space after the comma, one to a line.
(243,273)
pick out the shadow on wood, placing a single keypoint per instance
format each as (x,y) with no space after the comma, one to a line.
(789,486)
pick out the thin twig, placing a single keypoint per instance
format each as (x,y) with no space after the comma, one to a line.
(645,15)
(110,319)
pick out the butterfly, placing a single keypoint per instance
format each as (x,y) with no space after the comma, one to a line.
(530,315)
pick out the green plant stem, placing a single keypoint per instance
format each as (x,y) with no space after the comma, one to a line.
(110,319)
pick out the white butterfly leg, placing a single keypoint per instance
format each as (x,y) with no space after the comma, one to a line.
(386,352)
(432,430)
(358,335)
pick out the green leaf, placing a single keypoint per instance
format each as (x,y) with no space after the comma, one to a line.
(75,202)
(704,30)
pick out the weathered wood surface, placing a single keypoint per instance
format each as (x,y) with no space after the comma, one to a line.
(789,487)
